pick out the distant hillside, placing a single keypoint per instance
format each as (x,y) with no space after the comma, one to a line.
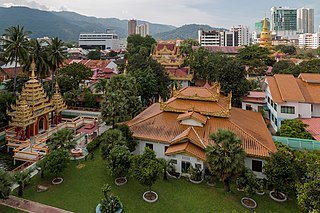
(66,25)
(184,32)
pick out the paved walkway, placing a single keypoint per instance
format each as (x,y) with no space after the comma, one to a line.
(30,206)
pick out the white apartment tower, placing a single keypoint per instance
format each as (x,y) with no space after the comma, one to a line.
(143,30)
(243,34)
(210,38)
(309,40)
(305,20)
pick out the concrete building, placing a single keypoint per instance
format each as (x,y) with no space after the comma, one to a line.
(210,38)
(143,30)
(305,20)
(102,41)
(132,25)
(258,26)
(283,21)
(289,97)
(242,34)
(309,40)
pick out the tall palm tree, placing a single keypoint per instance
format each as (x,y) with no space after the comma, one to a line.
(56,58)
(225,157)
(15,44)
(37,51)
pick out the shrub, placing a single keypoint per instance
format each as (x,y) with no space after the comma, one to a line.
(195,173)
(94,144)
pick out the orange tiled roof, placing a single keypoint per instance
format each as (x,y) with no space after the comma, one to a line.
(284,88)
(202,119)
(155,124)
(187,148)
(189,134)
(305,88)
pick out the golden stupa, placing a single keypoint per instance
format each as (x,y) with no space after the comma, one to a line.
(265,37)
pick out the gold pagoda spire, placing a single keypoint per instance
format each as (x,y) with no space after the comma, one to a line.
(56,87)
(33,67)
(265,37)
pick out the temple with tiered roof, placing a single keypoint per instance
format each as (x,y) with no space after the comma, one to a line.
(179,129)
(168,54)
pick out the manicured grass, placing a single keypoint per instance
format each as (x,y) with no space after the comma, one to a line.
(5,209)
(81,192)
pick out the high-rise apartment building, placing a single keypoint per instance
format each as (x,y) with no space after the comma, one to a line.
(143,30)
(132,25)
(258,26)
(242,34)
(283,21)
(210,38)
(305,20)
(309,40)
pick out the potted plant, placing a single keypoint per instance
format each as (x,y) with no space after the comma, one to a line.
(110,203)
(251,185)
(195,175)
(280,174)
(118,163)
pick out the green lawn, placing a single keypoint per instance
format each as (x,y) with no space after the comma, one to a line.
(81,191)
(5,209)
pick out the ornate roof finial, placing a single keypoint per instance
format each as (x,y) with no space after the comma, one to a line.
(160,99)
(56,87)
(125,67)
(33,67)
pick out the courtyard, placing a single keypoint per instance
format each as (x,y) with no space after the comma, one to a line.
(81,192)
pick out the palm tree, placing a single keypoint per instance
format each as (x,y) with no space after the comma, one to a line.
(56,57)
(15,44)
(101,85)
(225,157)
(63,139)
(37,52)
(22,178)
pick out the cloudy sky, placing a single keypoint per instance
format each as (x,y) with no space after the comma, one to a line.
(218,13)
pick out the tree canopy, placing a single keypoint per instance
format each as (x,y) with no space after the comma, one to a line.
(5,184)
(94,55)
(120,101)
(110,139)
(225,157)
(57,161)
(71,76)
(118,160)
(140,45)
(294,128)
(146,168)
(63,139)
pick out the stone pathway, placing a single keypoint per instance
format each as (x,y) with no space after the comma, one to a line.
(30,206)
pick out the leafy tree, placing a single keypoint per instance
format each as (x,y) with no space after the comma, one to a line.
(186,46)
(56,58)
(287,49)
(94,55)
(204,63)
(15,42)
(131,143)
(140,45)
(256,58)
(63,139)
(90,99)
(120,101)
(283,66)
(22,178)
(294,128)
(225,156)
(110,139)
(5,184)
(109,203)
(57,161)
(232,79)
(101,85)
(6,99)
(308,193)
(72,75)
(21,79)
(311,66)
(146,168)
(118,160)
(280,172)
(71,96)
(112,54)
